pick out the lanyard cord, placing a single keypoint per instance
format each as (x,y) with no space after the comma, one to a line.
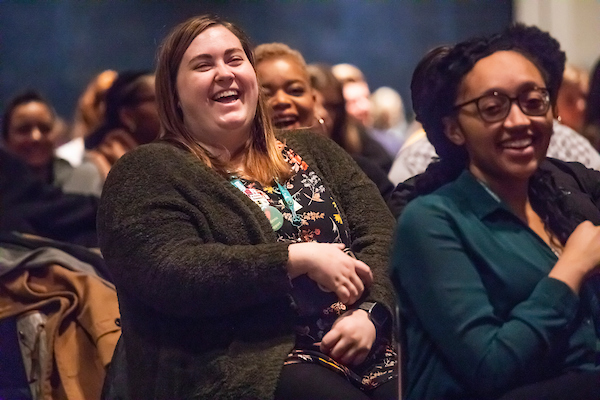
(289,202)
(287,199)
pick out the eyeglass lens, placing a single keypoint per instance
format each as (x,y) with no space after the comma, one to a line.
(496,106)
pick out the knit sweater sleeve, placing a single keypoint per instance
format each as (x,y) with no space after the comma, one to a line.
(176,236)
(370,221)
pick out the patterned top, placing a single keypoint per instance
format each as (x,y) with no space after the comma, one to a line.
(317,310)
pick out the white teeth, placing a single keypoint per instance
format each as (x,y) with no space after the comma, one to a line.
(518,143)
(225,93)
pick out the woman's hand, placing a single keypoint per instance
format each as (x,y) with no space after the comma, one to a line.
(350,339)
(580,257)
(330,268)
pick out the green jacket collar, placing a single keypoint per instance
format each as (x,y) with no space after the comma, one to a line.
(477,196)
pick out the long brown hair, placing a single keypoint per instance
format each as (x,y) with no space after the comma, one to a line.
(263,160)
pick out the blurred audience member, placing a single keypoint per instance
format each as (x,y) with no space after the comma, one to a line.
(28,205)
(388,119)
(342,129)
(591,128)
(356,92)
(294,103)
(572,97)
(29,131)
(89,114)
(346,73)
(131,119)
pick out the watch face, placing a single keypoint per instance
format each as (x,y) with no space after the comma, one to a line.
(379,314)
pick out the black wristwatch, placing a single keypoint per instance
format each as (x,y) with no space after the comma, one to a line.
(378,314)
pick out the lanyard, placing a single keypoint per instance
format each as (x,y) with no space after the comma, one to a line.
(275,217)
(289,202)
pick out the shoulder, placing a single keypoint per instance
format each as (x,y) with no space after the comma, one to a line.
(149,157)
(572,173)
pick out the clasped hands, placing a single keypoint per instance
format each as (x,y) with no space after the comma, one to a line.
(353,334)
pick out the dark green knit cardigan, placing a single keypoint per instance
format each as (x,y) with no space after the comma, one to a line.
(201,278)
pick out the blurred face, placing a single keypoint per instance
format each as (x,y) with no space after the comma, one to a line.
(217,89)
(30,133)
(571,104)
(144,114)
(333,102)
(358,105)
(289,94)
(513,147)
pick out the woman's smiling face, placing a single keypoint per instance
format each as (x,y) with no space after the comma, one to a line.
(217,89)
(30,133)
(513,147)
(289,95)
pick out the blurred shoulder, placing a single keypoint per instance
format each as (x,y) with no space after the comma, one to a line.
(306,139)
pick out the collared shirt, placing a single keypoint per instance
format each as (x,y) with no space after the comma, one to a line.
(565,144)
(481,315)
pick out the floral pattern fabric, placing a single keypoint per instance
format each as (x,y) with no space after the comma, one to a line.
(320,221)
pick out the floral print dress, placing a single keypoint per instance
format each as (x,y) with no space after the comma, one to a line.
(319,221)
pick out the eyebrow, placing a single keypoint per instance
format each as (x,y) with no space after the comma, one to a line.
(209,56)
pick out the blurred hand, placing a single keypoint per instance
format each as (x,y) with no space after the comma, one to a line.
(331,268)
(350,339)
(580,257)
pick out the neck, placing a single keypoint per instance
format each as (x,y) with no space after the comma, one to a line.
(514,192)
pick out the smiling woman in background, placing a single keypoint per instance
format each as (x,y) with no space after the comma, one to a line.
(231,249)
(28,130)
(495,258)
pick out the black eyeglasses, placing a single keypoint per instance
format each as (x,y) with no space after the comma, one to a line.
(494,107)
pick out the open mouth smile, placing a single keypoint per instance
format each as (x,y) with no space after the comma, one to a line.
(227,96)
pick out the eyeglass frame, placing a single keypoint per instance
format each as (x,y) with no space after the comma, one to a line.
(544,91)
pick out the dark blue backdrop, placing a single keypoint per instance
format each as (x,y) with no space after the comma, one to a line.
(58,46)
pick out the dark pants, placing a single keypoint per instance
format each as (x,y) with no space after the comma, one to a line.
(580,385)
(315,382)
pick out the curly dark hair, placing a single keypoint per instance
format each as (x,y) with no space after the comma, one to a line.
(435,85)
(437,78)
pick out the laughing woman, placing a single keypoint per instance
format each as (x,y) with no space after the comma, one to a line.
(494,257)
(232,250)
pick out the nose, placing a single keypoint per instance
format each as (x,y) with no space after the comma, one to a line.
(223,72)
(280,100)
(516,117)
(36,134)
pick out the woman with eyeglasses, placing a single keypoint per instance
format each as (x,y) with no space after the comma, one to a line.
(497,249)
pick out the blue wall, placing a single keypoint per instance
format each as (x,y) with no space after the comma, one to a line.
(57,47)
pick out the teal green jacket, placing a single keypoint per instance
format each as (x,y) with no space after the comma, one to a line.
(480,313)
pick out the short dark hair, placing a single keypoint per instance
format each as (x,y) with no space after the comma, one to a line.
(20,99)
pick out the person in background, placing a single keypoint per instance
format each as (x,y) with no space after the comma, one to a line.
(341,128)
(572,96)
(389,124)
(248,266)
(591,123)
(131,119)
(89,115)
(356,95)
(29,131)
(495,255)
(29,205)
(283,77)
(294,103)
